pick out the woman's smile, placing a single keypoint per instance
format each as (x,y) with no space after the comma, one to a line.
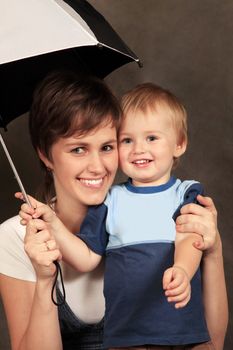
(94,183)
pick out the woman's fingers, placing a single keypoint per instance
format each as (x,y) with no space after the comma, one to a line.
(39,245)
(199,220)
(36,225)
(207,207)
(208,203)
(191,226)
(47,258)
(51,244)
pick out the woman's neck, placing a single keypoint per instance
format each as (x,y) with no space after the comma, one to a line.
(72,215)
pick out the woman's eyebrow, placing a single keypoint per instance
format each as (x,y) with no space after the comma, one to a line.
(110,141)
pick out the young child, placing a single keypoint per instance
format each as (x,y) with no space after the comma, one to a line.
(135,229)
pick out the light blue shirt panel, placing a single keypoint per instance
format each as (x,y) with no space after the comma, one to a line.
(135,218)
(181,188)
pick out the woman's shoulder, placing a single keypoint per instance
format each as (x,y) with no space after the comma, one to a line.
(12,251)
(12,229)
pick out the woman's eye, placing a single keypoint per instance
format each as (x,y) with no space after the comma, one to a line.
(151,138)
(107,148)
(78,150)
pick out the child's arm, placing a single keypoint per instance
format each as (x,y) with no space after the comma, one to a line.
(176,280)
(74,251)
(187,256)
(176,284)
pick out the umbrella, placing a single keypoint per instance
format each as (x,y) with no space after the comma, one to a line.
(38,36)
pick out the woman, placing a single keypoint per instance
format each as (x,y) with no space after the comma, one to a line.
(73,124)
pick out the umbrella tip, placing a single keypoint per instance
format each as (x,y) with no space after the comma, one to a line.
(140,64)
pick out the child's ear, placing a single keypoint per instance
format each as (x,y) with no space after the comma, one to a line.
(180,149)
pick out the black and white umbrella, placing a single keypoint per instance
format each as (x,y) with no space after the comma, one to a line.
(39,36)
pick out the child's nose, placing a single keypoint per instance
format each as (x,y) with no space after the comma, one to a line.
(139,148)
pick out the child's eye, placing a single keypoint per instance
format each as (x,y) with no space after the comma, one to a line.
(151,138)
(78,150)
(126,140)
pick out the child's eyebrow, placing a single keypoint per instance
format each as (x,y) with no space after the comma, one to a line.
(124,133)
(154,131)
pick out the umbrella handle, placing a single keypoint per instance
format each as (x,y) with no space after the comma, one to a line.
(15,171)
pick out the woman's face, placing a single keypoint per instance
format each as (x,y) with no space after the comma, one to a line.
(84,166)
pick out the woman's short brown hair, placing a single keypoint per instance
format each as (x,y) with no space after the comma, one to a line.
(65,104)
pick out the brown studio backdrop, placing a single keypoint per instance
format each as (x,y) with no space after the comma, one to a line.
(185,46)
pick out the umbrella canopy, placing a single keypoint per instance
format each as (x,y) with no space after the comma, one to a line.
(38,36)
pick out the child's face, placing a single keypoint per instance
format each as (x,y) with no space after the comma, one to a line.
(147,146)
(84,166)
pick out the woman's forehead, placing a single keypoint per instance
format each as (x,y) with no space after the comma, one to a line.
(83,129)
(101,135)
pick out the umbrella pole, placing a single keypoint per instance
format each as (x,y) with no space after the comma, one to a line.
(14,171)
(58,268)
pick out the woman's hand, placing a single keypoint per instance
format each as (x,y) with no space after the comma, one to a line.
(201,220)
(41,248)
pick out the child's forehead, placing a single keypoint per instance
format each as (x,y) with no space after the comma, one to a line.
(158,109)
(159,119)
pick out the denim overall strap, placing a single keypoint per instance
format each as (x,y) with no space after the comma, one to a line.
(77,335)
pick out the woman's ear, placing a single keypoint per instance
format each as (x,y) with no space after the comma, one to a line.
(48,164)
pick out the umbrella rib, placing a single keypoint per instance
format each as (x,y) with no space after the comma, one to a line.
(14,171)
(123,53)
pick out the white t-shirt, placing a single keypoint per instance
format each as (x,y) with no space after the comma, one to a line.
(84,292)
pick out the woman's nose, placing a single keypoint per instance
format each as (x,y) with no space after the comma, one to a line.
(95,164)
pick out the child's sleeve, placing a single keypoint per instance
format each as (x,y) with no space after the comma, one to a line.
(189,196)
(93,229)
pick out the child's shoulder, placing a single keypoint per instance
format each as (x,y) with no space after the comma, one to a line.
(188,190)
(183,187)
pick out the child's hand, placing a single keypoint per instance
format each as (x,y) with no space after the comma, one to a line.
(201,220)
(176,284)
(27,212)
(37,210)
